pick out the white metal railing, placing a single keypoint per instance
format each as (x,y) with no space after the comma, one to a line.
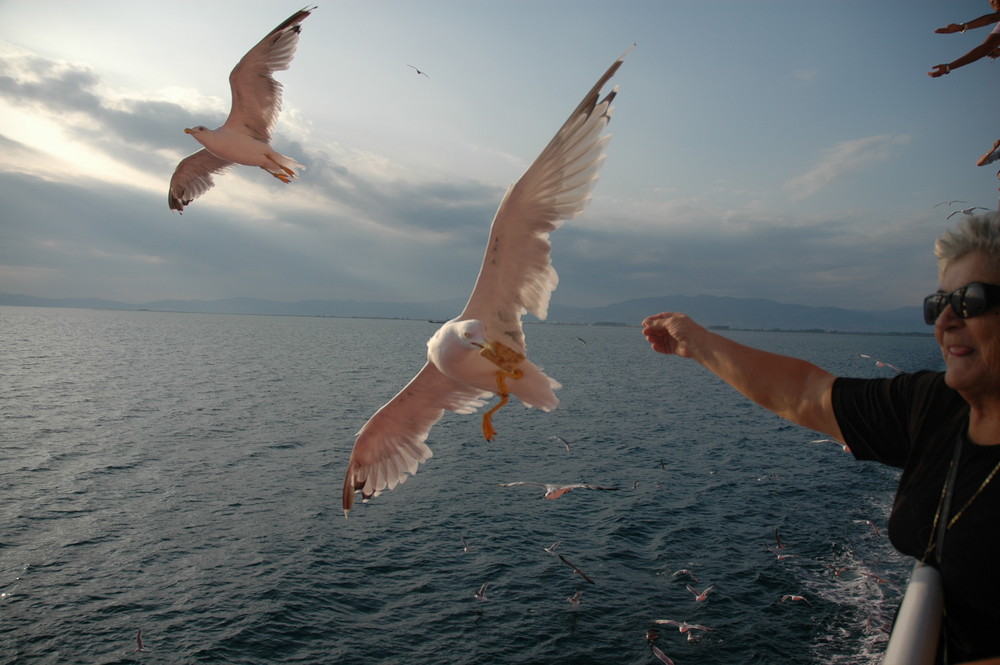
(918,624)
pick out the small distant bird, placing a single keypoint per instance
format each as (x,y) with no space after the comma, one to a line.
(245,137)
(561,440)
(465,545)
(139,646)
(844,446)
(967,211)
(879,363)
(685,571)
(575,598)
(556,491)
(481,594)
(418,71)
(948,203)
(582,340)
(576,569)
(551,549)
(781,557)
(777,539)
(682,626)
(659,654)
(871,524)
(699,596)
(796,598)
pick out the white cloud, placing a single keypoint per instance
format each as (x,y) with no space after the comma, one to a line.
(842,159)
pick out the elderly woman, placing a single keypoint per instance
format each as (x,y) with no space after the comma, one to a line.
(941,429)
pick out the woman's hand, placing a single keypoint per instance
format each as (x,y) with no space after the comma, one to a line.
(671,333)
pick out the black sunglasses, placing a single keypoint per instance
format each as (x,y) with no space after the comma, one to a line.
(970,300)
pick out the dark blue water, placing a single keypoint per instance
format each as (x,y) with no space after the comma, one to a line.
(182,474)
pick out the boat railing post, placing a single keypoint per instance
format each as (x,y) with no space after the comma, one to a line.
(918,624)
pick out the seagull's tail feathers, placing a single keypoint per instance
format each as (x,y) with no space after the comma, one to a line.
(534,388)
(281,166)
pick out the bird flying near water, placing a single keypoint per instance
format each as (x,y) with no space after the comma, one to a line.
(245,137)
(482,351)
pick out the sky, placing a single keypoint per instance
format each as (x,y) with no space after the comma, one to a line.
(794,150)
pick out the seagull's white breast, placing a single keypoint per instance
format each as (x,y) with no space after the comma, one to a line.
(234,146)
(454,349)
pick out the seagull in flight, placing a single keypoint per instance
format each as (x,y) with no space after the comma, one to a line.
(796,598)
(843,446)
(575,568)
(482,352)
(967,211)
(561,440)
(245,137)
(418,71)
(682,626)
(556,491)
(879,363)
(481,594)
(139,646)
(659,654)
(685,571)
(871,524)
(699,596)
(781,557)
(948,203)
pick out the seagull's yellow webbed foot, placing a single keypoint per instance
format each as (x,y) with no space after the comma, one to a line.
(488,430)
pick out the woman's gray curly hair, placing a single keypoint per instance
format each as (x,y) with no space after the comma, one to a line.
(972,233)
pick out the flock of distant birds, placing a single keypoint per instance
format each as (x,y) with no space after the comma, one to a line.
(693,631)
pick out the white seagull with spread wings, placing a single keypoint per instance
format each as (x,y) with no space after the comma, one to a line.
(245,137)
(482,351)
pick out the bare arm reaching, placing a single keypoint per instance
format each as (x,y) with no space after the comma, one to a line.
(793,389)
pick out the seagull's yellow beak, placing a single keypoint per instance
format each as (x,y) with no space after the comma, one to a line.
(188,130)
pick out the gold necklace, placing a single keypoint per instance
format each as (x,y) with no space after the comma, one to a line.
(986,482)
(944,491)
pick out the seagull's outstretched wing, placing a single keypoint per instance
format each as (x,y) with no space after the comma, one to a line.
(256,95)
(193,177)
(391,444)
(517,274)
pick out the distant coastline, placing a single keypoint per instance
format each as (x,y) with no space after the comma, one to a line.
(715,312)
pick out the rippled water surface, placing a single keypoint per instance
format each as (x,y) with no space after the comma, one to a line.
(181,474)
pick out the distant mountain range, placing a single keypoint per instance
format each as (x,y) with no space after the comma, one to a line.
(721,312)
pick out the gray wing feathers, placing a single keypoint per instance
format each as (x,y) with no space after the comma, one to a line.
(256,94)
(517,275)
(193,177)
(391,445)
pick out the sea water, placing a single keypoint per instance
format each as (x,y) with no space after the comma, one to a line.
(181,474)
